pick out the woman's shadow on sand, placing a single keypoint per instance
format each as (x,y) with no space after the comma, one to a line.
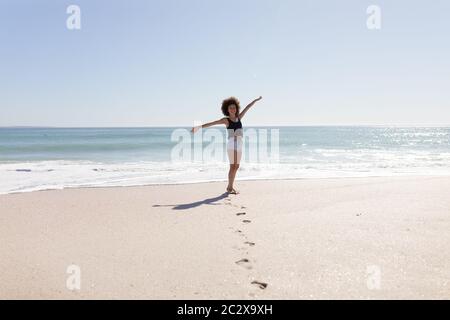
(184,206)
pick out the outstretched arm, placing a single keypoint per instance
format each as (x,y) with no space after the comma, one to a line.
(243,112)
(209,124)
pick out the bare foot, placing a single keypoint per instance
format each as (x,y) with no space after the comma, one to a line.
(232,191)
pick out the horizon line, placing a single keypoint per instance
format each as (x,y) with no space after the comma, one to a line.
(259,125)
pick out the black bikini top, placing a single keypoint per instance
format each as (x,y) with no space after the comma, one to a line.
(234,125)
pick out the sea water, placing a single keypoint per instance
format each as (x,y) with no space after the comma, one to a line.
(55,158)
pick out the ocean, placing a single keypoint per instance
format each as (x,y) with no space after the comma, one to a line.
(55,158)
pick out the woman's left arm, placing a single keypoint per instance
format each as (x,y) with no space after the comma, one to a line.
(241,114)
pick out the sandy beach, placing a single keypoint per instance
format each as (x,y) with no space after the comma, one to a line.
(347,238)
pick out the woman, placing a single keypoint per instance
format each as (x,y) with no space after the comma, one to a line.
(232,120)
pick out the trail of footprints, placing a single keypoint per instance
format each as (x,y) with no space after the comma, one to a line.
(245,262)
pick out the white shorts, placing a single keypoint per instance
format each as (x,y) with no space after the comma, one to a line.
(234,149)
(235,143)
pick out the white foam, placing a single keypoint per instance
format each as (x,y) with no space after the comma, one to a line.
(319,163)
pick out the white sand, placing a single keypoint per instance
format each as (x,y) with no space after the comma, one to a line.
(315,238)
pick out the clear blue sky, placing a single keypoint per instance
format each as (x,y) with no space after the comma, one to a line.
(167,62)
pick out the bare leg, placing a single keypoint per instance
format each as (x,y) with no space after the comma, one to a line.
(230,178)
(235,169)
(235,157)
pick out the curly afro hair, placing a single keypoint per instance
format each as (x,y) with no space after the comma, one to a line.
(229,101)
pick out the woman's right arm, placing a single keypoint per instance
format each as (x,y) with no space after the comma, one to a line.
(209,124)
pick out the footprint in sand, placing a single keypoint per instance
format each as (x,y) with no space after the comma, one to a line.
(244,263)
(240,233)
(240,213)
(261,285)
(251,244)
(228,203)
(246,221)
(236,247)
